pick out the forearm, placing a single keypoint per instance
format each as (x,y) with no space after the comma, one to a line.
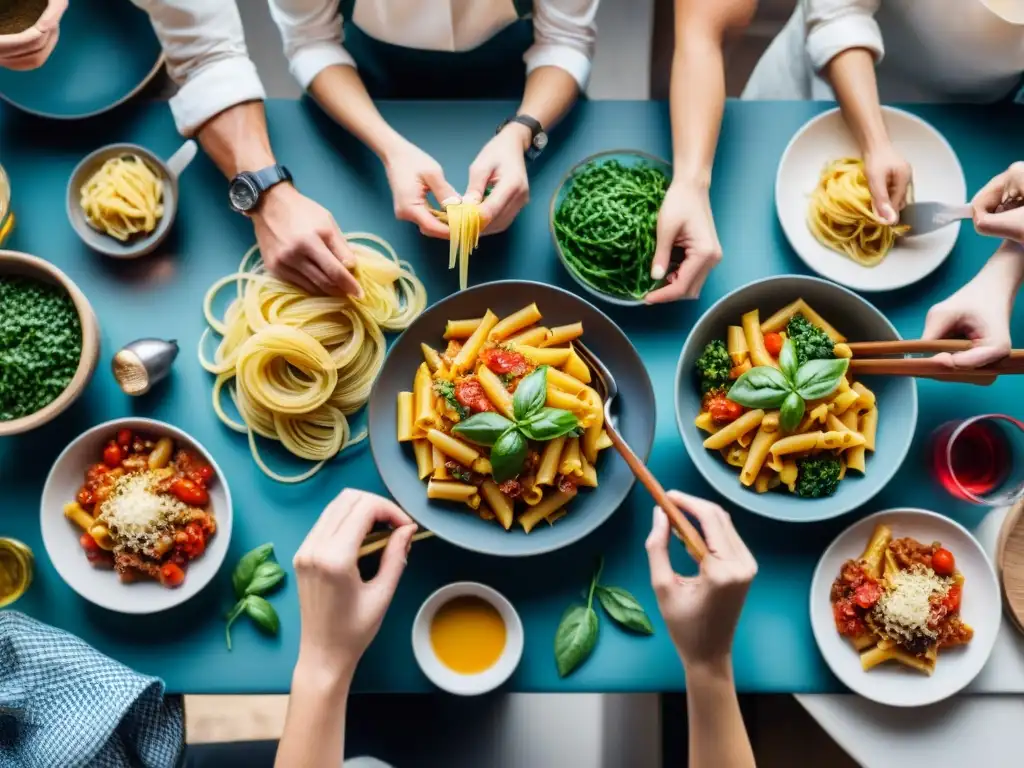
(1004,270)
(549,95)
(696,102)
(341,94)
(852,74)
(718,737)
(314,730)
(237,139)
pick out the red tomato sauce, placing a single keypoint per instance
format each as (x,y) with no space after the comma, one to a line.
(470,393)
(504,361)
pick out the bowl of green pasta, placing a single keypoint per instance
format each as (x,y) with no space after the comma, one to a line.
(604,218)
(49,342)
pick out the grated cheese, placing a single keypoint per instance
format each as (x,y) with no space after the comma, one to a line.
(905,607)
(136,515)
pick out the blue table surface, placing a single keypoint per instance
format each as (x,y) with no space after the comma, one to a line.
(161,296)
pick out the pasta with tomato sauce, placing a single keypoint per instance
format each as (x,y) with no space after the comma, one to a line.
(503,419)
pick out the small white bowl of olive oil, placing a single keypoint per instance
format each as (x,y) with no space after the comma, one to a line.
(467,638)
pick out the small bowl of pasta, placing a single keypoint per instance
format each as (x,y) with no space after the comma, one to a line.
(122,199)
(824,204)
(136,516)
(770,412)
(487,428)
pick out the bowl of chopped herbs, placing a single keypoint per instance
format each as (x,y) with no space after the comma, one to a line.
(49,342)
(790,328)
(604,218)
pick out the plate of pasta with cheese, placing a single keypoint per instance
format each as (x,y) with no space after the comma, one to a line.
(770,411)
(824,203)
(486,425)
(905,607)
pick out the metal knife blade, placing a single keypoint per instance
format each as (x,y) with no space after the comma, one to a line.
(923,218)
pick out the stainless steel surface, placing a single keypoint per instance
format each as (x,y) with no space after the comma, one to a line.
(926,217)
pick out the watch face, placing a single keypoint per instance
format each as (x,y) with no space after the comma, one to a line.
(243,194)
(540,141)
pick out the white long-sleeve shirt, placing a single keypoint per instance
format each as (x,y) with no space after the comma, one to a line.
(207,57)
(926,50)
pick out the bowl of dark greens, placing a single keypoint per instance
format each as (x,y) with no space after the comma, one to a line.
(604,217)
(49,342)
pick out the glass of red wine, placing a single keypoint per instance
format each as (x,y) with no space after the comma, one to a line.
(981,459)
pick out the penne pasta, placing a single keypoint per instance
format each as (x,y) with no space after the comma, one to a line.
(755,340)
(424,458)
(731,432)
(438,460)
(515,322)
(541,356)
(736,343)
(588,477)
(461,329)
(454,449)
(563,334)
(756,455)
(575,367)
(74,512)
(467,355)
(450,490)
(406,423)
(869,427)
(706,423)
(531,337)
(424,416)
(566,383)
(495,391)
(432,358)
(550,504)
(550,459)
(570,463)
(500,504)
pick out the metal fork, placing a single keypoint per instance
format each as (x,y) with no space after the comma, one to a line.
(608,390)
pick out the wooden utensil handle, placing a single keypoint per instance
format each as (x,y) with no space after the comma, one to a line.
(923,366)
(687,532)
(908,346)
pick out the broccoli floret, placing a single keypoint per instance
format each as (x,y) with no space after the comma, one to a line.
(818,476)
(713,367)
(810,341)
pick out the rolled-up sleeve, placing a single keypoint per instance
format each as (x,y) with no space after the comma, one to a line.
(564,35)
(313,36)
(834,26)
(206,55)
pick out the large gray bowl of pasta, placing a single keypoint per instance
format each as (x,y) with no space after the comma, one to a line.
(895,401)
(455,522)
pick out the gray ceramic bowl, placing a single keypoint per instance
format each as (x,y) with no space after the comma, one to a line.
(629,158)
(856,319)
(635,411)
(140,245)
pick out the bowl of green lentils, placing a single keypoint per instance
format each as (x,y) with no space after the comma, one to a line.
(604,218)
(49,342)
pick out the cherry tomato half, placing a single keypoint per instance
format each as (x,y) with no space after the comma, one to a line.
(194,543)
(88,543)
(723,410)
(943,562)
(867,594)
(951,602)
(189,492)
(470,393)
(124,438)
(171,575)
(112,455)
(773,343)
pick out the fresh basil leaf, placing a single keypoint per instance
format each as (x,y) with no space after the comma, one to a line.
(787,359)
(792,412)
(760,387)
(531,394)
(262,613)
(625,609)
(549,423)
(575,638)
(268,575)
(508,455)
(483,428)
(818,378)
(247,566)
(232,615)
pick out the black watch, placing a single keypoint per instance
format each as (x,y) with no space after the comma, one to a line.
(538,140)
(247,188)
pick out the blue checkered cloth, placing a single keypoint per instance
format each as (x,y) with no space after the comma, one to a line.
(64,704)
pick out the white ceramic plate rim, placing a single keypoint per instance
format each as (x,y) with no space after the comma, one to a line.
(957,667)
(443,677)
(102,587)
(841,273)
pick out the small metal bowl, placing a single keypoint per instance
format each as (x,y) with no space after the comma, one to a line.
(628,157)
(141,244)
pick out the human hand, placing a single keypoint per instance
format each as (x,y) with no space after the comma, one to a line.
(501,165)
(684,221)
(701,611)
(300,242)
(980,311)
(340,612)
(889,177)
(412,173)
(30,49)
(997,209)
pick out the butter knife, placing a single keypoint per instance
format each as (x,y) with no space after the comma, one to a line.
(924,218)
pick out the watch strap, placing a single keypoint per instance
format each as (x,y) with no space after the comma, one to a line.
(536,129)
(267,177)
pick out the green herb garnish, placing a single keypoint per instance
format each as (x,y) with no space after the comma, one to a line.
(446,389)
(507,438)
(254,576)
(713,367)
(578,630)
(818,476)
(460,473)
(606,225)
(506,379)
(789,388)
(40,345)
(810,342)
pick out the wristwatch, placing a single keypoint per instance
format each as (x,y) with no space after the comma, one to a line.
(539,139)
(247,188)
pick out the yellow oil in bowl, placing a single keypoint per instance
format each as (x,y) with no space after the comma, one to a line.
(468,635)
(16,566)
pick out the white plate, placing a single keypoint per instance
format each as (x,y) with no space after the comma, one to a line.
(981,608)
(60,535)
(937,177)
(442,676)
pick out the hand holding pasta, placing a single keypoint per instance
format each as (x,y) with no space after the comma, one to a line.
(900,601)
(786,412)
(505,413)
